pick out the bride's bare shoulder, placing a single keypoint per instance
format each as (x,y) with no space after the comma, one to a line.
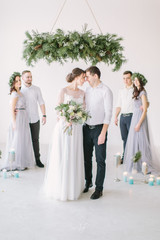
(63,90)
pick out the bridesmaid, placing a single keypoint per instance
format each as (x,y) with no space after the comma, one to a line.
(138,138)
(19,137)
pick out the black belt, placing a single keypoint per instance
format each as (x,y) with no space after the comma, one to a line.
(20,109)
(93,126)
(126,114)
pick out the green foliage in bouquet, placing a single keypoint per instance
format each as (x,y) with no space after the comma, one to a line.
(137,157)
(0,154)
(73,112)
(61,47)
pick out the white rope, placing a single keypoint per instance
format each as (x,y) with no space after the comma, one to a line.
(89,9)
(58,15)
(94,16)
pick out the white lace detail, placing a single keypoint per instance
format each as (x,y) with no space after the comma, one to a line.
(68,98)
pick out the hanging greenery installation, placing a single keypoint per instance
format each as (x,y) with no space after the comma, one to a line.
(61,47)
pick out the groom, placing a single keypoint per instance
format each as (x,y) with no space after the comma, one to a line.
(99,102)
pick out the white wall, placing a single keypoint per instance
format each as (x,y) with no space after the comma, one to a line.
(137,21)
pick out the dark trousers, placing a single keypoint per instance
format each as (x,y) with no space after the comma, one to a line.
(35,128)
(90,140)
(125,121)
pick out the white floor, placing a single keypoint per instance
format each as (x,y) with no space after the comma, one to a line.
(128,212)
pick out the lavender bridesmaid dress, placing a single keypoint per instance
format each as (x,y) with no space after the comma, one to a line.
(19,139)
(138,141)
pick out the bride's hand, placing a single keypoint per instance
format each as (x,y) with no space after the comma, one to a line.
(68,124)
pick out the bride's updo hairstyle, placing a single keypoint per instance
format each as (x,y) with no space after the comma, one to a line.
(76,72)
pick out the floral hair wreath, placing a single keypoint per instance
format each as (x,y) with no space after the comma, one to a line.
(139,76)
(12,78)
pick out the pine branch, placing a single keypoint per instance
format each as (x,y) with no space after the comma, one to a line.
(74,46)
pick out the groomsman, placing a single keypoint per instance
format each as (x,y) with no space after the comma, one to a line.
(99,102)
(125,107)
(33,97)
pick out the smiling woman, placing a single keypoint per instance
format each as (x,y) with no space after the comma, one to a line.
(19,137)
(138,137)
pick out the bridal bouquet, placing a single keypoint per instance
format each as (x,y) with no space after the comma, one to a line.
(73,113)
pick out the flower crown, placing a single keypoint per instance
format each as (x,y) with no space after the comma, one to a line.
(12,78)
(139,76)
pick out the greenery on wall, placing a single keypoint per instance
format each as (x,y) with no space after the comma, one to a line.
(61,47)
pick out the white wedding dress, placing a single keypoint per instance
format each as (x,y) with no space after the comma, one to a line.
(64,177)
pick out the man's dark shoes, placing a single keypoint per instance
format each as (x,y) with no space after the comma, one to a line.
(39,164)
(87,187)
(97,194)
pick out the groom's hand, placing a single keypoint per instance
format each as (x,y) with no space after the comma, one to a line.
(102,135)
(101,138)
(43,120)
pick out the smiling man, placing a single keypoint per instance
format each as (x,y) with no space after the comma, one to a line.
(125,107)
(33,97)
(99,103)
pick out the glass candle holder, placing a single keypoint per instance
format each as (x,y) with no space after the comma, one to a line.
(158,181)
(12,155)
(118,159)
(152,176)
(131,180)
(151,182)
(4,173)
(125,174)
(117,163)
(16,174)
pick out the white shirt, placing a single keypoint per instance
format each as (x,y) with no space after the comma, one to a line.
(33,97)
(125,100)
(99,103)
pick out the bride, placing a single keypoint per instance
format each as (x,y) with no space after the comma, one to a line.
(64,177)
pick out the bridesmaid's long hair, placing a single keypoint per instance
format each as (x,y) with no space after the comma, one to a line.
(137,91)
(76,72)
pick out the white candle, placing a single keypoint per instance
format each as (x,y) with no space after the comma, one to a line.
(125,176)
(12,150)
(118,154)
(144,168)
(152,176)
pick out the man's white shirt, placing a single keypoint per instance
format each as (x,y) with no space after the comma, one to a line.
(99,103)
(125,100)
(33,97)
